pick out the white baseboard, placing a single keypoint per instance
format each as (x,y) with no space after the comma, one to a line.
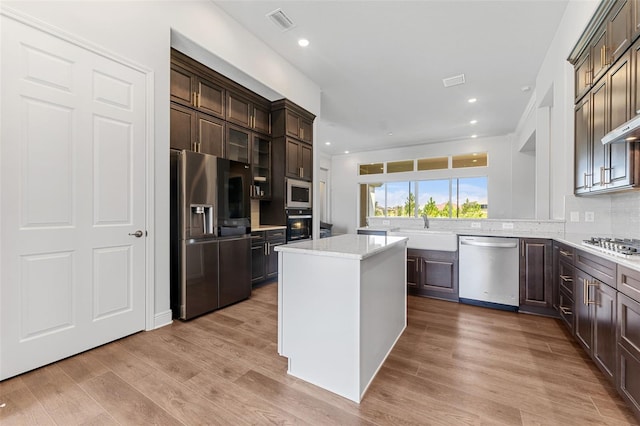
(162,319)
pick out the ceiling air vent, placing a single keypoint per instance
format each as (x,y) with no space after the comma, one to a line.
(453,81)
(281,20)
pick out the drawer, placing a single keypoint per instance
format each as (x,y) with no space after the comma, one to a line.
(629,282)
(257,238)
(276,234)
(566,277)
(565,253)
(598,267)
(565,309)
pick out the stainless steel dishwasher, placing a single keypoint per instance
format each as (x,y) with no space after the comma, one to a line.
(489,272)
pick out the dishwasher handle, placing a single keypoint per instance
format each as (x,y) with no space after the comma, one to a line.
(488,244)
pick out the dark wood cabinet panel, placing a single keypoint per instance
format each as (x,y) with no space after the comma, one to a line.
(563,282)
(432,273)
(582,312)
(596,266)
(181,90)
(597,47)
(292,123)
(615,171)
(264,256)
(237,143)
(238,110)
(582,151)
(210,98)
(194,131)
(306,130)
(604,329)
(635,19)
(582,75)
(182,127)
(565,308)
(536,273)
(619,31)
(261,119)
(628,337)
(299,159)
(599,128)
(211,135)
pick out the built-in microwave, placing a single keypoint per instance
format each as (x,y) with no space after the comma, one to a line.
(298,194)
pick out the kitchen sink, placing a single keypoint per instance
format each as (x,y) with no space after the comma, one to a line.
(426,239)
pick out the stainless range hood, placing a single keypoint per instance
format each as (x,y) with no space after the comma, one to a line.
(628,132)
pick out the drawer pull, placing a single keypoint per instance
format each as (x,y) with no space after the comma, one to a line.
(566,278)
(565,311)
(566,253)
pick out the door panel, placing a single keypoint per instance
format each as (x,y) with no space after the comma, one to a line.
(73,190)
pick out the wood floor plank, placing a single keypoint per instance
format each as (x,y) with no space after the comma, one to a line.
(61,397)
(453,365)
(126,404)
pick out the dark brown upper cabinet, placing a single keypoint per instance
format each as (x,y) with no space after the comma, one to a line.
(194,91)
(195,131)
(246,113)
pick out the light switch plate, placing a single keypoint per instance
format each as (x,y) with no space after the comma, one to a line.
(507,225)
(575,217)
(475,225)
(386,222)
(589,216)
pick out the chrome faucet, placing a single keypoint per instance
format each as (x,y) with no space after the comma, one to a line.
(426,220)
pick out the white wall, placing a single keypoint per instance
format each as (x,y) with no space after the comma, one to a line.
(345,178)
(141,32)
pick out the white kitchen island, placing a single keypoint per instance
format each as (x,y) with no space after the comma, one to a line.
(342,305)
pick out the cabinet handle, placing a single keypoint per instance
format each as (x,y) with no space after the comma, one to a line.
(601,175)
(566,278)
(588,284)
(602,49)
(585,296)
(193,99)
(566,253)
(301,172)
(565,311)
(198,100)
(587,77)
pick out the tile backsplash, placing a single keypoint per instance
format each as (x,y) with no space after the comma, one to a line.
(625,215)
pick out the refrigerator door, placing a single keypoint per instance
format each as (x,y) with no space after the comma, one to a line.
(235,269)
(199,277)
(234,201)
(198,194)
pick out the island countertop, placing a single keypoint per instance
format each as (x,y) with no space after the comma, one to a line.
(349,246)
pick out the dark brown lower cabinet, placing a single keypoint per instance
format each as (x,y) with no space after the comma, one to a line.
(263,256)
(536,275)
(628,337)
(432,273)
(595,321)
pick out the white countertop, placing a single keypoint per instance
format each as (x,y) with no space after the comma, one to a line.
(350,246)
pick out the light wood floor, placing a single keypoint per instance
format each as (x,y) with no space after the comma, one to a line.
(454,364)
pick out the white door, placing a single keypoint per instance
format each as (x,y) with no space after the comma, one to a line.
(72,192)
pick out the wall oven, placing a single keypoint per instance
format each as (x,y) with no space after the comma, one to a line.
(298,194)
(298,224)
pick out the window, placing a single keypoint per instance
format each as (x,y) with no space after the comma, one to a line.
(438,163)
(469,160)
(400,166)
(447,198)
(371,169)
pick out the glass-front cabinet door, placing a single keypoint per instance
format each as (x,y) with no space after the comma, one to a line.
(261,166)
(237,146)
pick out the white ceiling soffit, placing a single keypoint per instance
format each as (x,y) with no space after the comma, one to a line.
(380,64)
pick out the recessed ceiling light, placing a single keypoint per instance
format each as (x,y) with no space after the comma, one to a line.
(327,143)
(390,133)
(346,152)
(474,136)
(472,100)
(525,88)
(303,42)
(473,121)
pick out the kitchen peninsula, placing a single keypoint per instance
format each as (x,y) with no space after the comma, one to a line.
(342,305)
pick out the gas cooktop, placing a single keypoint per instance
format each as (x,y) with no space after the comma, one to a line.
(616,246)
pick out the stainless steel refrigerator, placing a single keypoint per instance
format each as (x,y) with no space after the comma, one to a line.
(210,233)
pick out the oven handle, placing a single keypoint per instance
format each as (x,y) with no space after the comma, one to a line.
(300,216)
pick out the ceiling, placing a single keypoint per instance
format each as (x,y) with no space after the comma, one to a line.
(380,64)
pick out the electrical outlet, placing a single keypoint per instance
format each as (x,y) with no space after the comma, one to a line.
(386,222)
(589,216)
(475,225)
(507,225)
(575,217)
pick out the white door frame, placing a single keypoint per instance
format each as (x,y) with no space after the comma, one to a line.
(149,151)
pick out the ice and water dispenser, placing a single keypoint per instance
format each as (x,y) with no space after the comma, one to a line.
(201,221)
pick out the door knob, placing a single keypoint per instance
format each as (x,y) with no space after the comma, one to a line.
(137,234)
